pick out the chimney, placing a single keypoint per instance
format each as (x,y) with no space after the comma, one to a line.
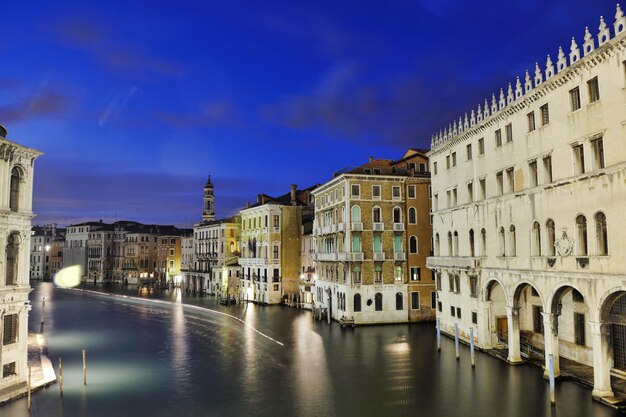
(247,204)
(371,159)
(294,187)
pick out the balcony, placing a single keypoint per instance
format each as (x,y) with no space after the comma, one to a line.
(378,227)
(354,256)
(398,227)
(461,262)
(327,257)
(399,256)
(253,261)
(379,256)
(342,256)
(341,227)
(357,226)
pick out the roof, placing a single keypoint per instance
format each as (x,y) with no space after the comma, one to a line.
(285,199)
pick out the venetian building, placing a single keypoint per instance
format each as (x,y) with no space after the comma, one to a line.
(529,203)
(16,190)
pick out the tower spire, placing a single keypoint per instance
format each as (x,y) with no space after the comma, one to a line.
(208,210)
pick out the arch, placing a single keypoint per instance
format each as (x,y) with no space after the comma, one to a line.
(397,243)
(582,247)
(357,302)
(449,243)
(412,244)
(437,252)
(378,302)
(377,216)
(17,174)
(412,215)
(397,215)
(12,259)
(512,241)
(602,237)
(471,243)
(483,242)
(605,303)
(489,286)
(521,286)
(535,246)
(551,235)
(356,243)
(501,240)
(399,301)
(355,213)
(456,244)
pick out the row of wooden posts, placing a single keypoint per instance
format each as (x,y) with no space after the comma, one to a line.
(60,376)
(473,359)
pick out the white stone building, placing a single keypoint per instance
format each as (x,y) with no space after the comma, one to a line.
(16,191)
(75,249)
(529,201)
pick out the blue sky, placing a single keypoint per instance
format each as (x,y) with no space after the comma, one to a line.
(134,102)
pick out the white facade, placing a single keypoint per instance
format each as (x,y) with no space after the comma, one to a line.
(16,190)
(75,249)
(529,200)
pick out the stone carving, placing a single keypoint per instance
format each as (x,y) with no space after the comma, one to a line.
(565,245)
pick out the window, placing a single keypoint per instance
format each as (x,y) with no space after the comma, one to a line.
(498,138)
(435,168)
(594,89)
(579,329)
(422,167)
(602,238)
(531,121)
(510,180)
(8,370)
(473,283)
(376,191)
(483,242)
(509,132)
(469,151)
(537,319)
(356,243)
(547,169)
(447,161)
(536,240)
(14,194)
(499,183)
(450,244)
(574,99)
(395,193)
(376,217)
(474,317)
(481,146)
(545,114)
(10,329)
(397,215)
(483,188)
(399,303)
(581,231)
(412,166)
(172,252)
(456,244)
(470,192)
(579,159)
(378,302)
(356,278)
(458,312)
(411,191)
(377,243)
(453,159)
(11,261)
(276,221)
(356,213)
(454,197)
(433,299)
(440,306)
(412,215)
(415,273)
(357,302)
(378,274)
(501,241)
(598,153)
(512,241)
(397,243)
(471,242)
(412,244)
(415,300)
(532,170)
(550,248)
(275,252)
(355,191)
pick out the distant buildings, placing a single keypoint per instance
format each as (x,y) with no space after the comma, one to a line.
(529,202)
(16,173)
(41,250)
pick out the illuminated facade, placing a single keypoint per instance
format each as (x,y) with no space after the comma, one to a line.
(528,201)
(16,176)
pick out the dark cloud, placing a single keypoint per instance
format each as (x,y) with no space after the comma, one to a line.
(44,103)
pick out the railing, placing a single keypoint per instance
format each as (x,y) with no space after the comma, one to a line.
(379,256)
(355,256)
(378,227)
(465,262)
(341,227)
(399,256)
(398,227)
(357,226)
(325,256)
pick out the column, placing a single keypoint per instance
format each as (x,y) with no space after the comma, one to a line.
(512,314)
(551,341)
(485,334)
(600,333)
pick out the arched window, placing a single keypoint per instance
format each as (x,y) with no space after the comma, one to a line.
(397,243)
(376,217)
(550,248)
(356,213)
(14,194)
(357,302)
(378,246)
(412,215)
(378,274)
(483,242)
(581,230)
(449,243)
(456,243)
(512,241)
(413,244)
(397,215)
(399,303)
(437,245)
(356,243)
(602,237)
(501,241)
(11,260)
(378,302)
(536,240)
(356,276)
(471,243)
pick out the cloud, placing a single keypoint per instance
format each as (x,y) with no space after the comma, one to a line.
(44,102)
(208,114)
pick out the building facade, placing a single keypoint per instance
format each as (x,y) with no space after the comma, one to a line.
(100,254)
(528,204)
(41,251)
(16,191)
(75,249)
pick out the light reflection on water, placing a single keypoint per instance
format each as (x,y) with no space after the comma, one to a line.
(172,360)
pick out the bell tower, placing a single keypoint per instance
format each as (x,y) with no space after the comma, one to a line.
(208,212)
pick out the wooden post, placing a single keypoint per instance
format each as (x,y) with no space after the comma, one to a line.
(61,375)
(84,367)
(472,347)
(551,374)
(438,334)
(456,340)
(29,386)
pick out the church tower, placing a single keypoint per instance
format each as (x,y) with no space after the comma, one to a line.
(208,212)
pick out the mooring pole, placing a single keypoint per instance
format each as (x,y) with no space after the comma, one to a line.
(438,334)
(551,374)
(456,340)
(61,375)
(43,311)
(84,367)
(472,347)
(29,386)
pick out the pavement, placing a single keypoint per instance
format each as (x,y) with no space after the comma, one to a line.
(42,371)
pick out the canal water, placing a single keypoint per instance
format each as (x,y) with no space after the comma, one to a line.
(169,359)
